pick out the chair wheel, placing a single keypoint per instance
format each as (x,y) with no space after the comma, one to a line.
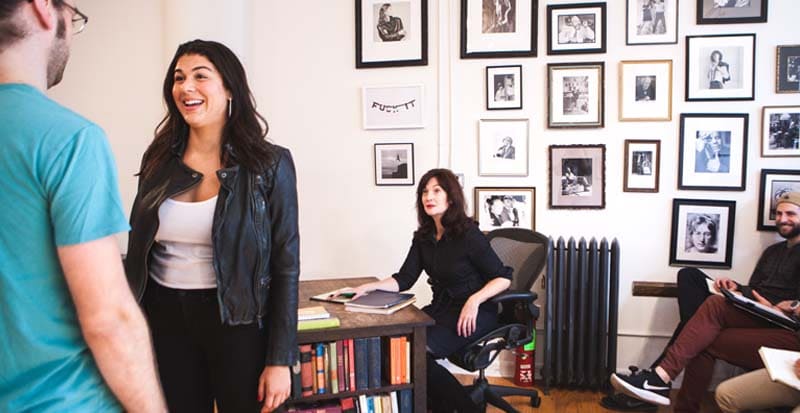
(536,401)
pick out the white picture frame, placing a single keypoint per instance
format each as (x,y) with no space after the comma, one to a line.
(644,26)
(503,147)
(780,131)
(393,107)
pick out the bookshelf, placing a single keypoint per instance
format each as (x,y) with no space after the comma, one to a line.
(409,321)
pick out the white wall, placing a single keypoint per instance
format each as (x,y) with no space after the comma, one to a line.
(300,61)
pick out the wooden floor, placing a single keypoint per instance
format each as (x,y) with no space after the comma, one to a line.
(570,401)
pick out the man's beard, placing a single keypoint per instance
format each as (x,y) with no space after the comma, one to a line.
(59,54)
(794,231)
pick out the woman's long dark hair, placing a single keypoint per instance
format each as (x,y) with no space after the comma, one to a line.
(243,136)
(455,219)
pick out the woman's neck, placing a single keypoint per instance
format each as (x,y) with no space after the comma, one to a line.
(439,227)
(205,141)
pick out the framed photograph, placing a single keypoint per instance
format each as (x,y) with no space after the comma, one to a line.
(645,90)
(576,28)
(642,165)
(702,233)
(576,92)
(503,87)
(713,151)
(731,11)
(651,22)
(393,107)
(503,147)
(720,67)
(788,69)
(498,28)
(391,33)
(780,131)
(774,183)
(394,164)
(578,176)
(505,207)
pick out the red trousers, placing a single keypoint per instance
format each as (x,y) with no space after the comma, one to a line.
(719,331)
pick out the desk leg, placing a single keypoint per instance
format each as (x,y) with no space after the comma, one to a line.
(420,375)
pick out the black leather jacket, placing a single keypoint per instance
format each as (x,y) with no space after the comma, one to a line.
(255,242)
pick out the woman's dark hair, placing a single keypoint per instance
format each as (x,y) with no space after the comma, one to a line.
(718,53)
(243,136)
(455,219)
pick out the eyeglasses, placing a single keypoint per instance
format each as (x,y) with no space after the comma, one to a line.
(79,19)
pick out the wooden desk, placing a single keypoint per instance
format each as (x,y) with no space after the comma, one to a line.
(408,321)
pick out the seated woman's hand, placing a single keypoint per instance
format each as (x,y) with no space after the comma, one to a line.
(467,320)
(356,291)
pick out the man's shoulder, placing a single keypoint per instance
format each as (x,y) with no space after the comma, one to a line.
(37,111)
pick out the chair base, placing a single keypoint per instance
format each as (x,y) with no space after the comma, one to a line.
(481,393)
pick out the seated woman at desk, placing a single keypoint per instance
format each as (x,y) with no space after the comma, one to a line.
(464,272)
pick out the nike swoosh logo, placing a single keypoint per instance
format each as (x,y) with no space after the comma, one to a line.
(647,386)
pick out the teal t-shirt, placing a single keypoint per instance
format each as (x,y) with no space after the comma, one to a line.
(58,186)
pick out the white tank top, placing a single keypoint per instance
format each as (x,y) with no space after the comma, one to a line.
(182,255)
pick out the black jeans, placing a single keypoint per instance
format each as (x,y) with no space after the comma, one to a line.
(692,291)
(199,359)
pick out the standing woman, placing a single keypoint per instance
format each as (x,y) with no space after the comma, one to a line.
(213,251)
(463,271)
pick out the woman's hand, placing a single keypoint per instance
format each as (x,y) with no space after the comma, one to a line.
(274,387)
(357,291)
(468,318)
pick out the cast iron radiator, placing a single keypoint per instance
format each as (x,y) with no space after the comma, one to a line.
(580,329)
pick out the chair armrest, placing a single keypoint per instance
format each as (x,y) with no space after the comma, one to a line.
(515,295)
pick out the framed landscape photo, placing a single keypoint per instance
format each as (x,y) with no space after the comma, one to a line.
(498,28)
(774,183)
(503,87)
(731,11)
(642,165)
(787,78)
(394,164)
(576,28)
(713,151)
(393,107)
(391,33)
(651,22)
(503,147)
(576,92)
(645,90)
(577,176)
(720,67)
(702,233)
(505,207)
(780,131)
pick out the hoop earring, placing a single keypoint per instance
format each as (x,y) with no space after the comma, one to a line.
(230,106)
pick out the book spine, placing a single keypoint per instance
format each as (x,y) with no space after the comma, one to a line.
(334,368)
(362,368)
(351,366)
(406,364)
(374,362)
(306,371)
(340,365)
(395,404)
(320,368)
(362,403)
(406,401)
(297,381)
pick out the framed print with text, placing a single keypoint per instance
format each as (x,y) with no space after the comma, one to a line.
(391,33)
(498,28)
(393,107)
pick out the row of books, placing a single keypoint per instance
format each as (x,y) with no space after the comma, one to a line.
(354,364)
(401,401)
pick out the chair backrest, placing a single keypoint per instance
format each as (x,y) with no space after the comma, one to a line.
(523,250)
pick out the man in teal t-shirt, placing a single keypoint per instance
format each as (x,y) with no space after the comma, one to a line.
(72,338)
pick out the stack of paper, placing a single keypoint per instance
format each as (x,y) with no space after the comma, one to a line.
(312,318)
(780,365)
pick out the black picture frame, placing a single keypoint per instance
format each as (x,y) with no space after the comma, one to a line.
(774,182)
(787,69)
(708,13)
(670,36)
(720,85)
(495,74)
(410,57)
(471,37)
(576,191)
(554,36)
(695,167)
(713,221)
(404,167)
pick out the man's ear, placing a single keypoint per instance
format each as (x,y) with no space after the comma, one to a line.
(45,12)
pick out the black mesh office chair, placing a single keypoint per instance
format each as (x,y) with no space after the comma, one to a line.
(526,252)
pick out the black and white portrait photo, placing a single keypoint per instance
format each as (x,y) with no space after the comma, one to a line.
(712,151)
(642,163)
(504,207)
(721,68)
(504,88)
(645,88)
(505,148)
(576,95)
(576,28)
(652,17)
(701,233)
(389,18)
(576,177)
(784,130)
(721,4)
(499,16)
(394,164)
